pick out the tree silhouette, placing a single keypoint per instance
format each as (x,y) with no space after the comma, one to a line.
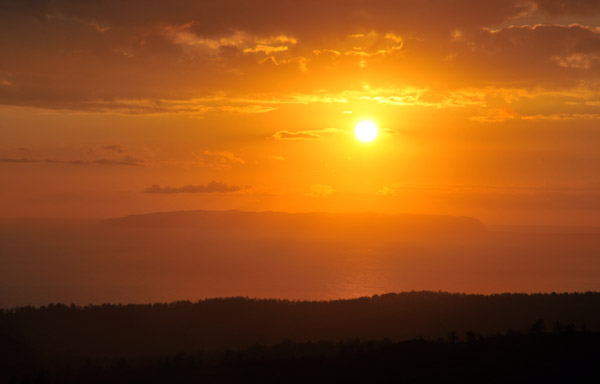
(453,337)
(537,327)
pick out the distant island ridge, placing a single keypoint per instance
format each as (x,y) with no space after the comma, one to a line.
(234,219)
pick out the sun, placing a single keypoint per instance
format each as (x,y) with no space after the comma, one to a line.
(365,131)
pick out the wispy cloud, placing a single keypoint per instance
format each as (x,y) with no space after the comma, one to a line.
(313,134)
(123,161)
(301,135)
(319,190)
(191,42)
(562,7)
(386,191)
(19,160)
(115,148)
(212,187)
(564,116)
(248,109)
(218,159)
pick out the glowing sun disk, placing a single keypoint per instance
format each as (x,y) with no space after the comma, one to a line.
(365,131)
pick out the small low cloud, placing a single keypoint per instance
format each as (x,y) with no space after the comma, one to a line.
(212,187)
(319,190)
(218,159)
(386,191)
(266,49)
(115,148)
(302,135)
(496,115)
(276,158)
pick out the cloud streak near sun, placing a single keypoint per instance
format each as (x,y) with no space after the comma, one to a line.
(312,134)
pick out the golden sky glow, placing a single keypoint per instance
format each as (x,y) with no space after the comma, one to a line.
(488,109)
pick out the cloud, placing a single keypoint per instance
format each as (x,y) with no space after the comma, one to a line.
(212,187)
(104,52)
(319,190)
(218,159)
(19,160)
(185,35)
(115,148)
(315,134)
(267,50)
(564,116)
(276,158)
(495,115)
(577,60)
(552,55)
(568,7)
(425,97)
(326,51)
(386,191)
(248,109)
(301,135)
(123,161)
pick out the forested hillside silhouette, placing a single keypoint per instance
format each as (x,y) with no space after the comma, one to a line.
(416,337)
(158,329)
(564,355)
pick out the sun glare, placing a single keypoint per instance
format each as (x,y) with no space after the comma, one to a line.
(365,131)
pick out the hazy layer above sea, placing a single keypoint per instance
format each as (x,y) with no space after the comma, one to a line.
(193,255)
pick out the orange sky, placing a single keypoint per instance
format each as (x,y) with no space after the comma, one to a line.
(487,108)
